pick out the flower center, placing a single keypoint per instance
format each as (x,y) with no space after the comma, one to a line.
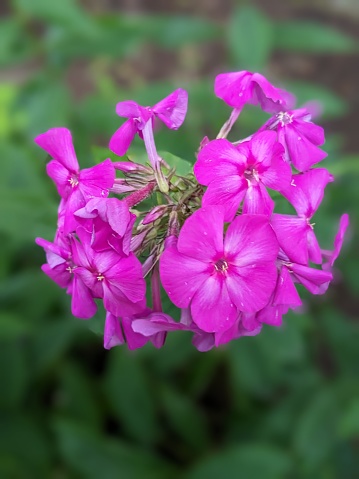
(221,266)
(73,180)
(251,174)
(284,118)
(100,277)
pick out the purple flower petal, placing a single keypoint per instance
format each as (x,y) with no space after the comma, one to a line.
(181,276)
(218,157)
(172,109)
(82,305)
(202,234)
(251,286)
(292,233)
(113,335)
(122,138)
(227,192)
(257,201)
(57,142)
(249,240)
(212,308)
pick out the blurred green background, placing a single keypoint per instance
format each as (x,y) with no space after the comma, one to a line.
(284,404)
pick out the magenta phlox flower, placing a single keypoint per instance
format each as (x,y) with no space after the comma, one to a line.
(216,277)
(295,233)
(121,330)
(233,174)
(299,137)
(75,186)
(238,88)
(60,268)
(171,111)
(110,223)
(115,278)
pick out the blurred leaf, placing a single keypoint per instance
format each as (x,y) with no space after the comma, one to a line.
(312,38)
(316,425)
(13,326)
(249,461)
(14,375)
(93,456)
(249,39)
(333,106)
(66,12)
(46,104)
(15,44)
(349,422)
(185,418)
(347,165)
(176,31)
(78,393)
(52,341)
(183,167)
(25,448)
(130,397)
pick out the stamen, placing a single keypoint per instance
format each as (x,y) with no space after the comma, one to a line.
(221,266)
(100,277)
(284,118)
(73,181)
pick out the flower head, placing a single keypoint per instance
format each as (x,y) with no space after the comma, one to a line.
(219,277)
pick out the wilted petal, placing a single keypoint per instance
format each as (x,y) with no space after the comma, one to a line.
(172,109)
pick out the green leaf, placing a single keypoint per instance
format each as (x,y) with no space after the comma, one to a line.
(346,165)
(93,456)
(177,31)
(130,397)
(249,461)
(333,105)
(317,425)
(183,167)
(249,39)
(16,45)
(52,341)
(25,449)
(185,418)
(14,373)
(312,37)
(349,422)
(66,12)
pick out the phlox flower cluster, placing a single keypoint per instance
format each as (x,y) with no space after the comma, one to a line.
(214,241)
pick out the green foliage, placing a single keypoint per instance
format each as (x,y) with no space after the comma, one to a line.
(249,39)
(312,37)
(280,405)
